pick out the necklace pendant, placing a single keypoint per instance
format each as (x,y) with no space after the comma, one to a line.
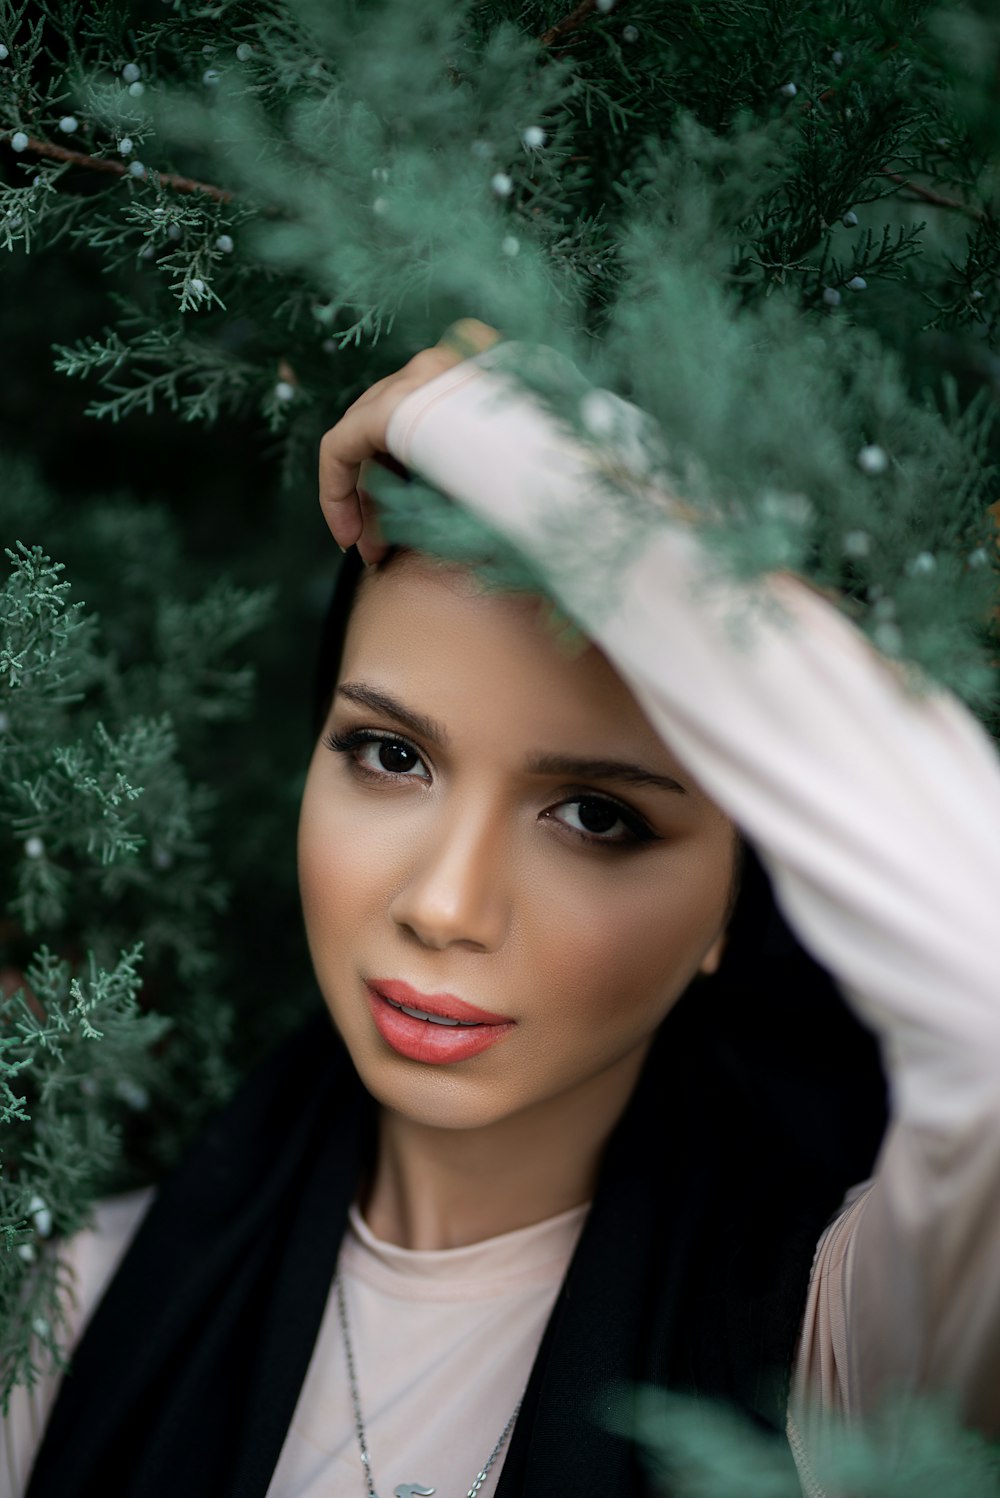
(412,1490)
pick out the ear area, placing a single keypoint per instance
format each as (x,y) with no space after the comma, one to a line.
(713,957)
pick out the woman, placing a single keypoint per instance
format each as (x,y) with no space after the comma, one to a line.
(598,1138)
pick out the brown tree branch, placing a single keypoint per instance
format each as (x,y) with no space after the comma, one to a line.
(930,196)
(568,23)
(119,168)
(926,193)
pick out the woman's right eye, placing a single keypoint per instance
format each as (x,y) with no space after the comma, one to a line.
(389,755)
(379,755)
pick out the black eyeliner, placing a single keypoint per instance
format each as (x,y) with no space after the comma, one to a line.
(640,832)
(343,743)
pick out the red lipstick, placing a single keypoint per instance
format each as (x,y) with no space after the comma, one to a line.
(444,1029)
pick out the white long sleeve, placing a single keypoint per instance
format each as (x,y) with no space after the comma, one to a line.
(877,813)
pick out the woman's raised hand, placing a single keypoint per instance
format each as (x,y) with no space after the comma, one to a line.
(348,448)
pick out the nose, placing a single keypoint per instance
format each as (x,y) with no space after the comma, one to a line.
(454,893)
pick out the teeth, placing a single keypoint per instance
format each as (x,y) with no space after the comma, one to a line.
(432,1019)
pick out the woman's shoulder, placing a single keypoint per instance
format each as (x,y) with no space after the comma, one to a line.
(92,1255)
(87,1262)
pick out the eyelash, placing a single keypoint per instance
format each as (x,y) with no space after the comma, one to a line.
(349,743)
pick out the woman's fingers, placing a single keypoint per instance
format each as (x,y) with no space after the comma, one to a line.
(360,434)
(372,545)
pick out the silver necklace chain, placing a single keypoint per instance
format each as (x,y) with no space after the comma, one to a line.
(405,1489)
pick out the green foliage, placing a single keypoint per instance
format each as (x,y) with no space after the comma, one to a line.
(918,577)
(62,1135)
(196,381)
(914,1448)
(832,470)
(103,836)
(774,228)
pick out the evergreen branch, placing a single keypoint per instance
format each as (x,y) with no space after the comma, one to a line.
(834,89)
(119,169)
(568,23)
(930,196)
(196,380)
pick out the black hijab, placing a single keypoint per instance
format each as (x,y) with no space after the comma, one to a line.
(762,1100)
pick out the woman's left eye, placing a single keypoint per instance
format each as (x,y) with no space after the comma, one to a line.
(602,821)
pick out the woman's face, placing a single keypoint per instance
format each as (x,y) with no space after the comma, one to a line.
(497,824)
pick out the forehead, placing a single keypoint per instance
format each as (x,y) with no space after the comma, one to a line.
(490,661)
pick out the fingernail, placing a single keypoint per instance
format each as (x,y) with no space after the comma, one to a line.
(343,549)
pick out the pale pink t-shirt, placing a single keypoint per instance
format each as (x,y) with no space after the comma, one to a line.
(443,1347)
(443,1344)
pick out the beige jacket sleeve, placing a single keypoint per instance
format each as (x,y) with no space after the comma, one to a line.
(877,812)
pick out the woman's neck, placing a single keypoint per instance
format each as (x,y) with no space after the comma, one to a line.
(435,1188)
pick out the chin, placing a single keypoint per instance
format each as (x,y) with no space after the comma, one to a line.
(434,1097)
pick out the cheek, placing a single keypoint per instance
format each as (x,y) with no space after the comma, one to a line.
(617,947)
(340,863)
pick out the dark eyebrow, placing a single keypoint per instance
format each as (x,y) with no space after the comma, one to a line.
(381,702)
(602,769)
(567,765)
